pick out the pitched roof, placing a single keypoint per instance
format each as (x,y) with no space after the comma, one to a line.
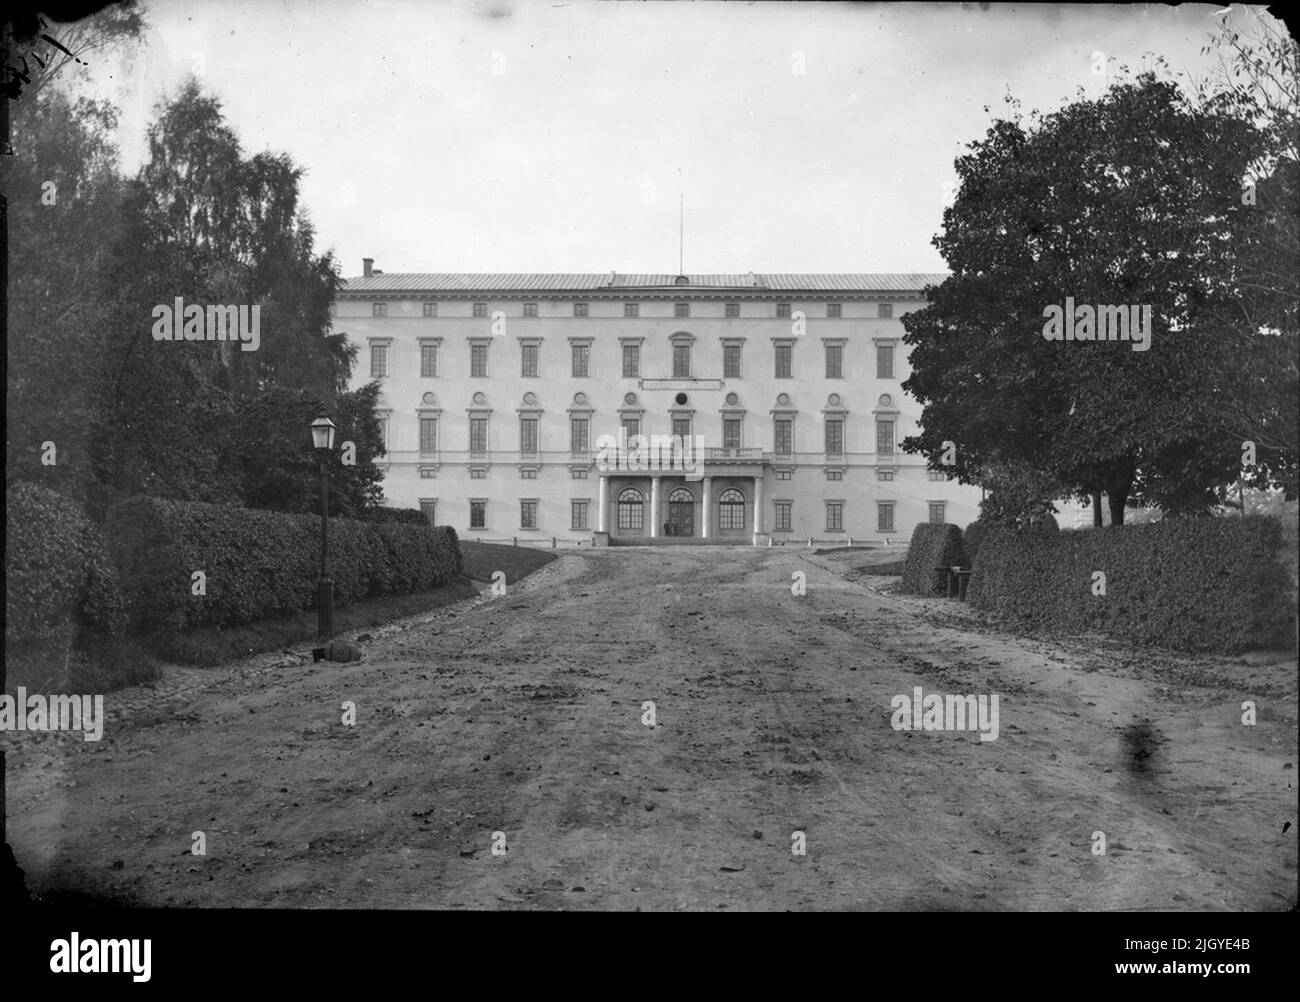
(612,281)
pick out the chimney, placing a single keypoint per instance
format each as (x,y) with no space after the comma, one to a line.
(367,266)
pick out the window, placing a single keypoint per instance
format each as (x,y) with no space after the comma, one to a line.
(631,361)
(784,436)
(428,361)
(430,309)
(937,512)
(378,360)
(783,311)
(379,310)
(834,436)
(733,309)
(731,433)
(428,435)
(527,474)
(529,361)
(884,361)
(581,360)
(530,309)
(578,474)
(478,514)
(631,309)
(631,510)
(834,516)
(479,474)
(578,514)
(936,475)
(833,310)
(884,474)
(681,361)
(835,361)
(478,434)
(783,474)
(478,361)
(430,509)
(731,361)
(783,353)
(579,437)
(428,473)
(528,514)
(885,310)
(783,520)
(383,431)
(681,309)
(884,516)
(682,429)
(631,428)
(528,434)
(731,511)
(480,309)
(834,474)
(579,309)
(885,437)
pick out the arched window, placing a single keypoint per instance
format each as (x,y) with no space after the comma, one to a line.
(631,509)
(681,494)
(731,511)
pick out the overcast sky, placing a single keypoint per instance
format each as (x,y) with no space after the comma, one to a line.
(558,136)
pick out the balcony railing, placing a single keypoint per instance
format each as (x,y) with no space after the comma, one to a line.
(734,452)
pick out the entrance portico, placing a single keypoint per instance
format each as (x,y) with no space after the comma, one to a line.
(725,507)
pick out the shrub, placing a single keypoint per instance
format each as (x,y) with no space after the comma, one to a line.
(973,537)
(61,587)
(1203,584)
(389,516)
(931,546)
(261,564)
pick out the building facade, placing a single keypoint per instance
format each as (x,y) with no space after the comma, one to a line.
(502,393)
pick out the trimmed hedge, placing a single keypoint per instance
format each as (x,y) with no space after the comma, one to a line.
(931,546)
(261,564)
(1201,584)
(973,536)
(389,516)
(60,585)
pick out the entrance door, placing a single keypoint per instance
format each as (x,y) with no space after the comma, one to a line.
(681,513)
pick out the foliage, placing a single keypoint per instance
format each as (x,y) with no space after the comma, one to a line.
(932,546)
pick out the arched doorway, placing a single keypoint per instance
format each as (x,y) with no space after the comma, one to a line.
(681,513)
(731,511)
(631,511)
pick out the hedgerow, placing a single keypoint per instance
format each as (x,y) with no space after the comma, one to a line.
(931,546)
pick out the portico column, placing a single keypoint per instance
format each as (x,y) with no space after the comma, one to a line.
(654,507)
(602,505)
(758,508)
(708,507)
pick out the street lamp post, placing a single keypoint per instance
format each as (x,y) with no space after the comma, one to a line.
(322,436)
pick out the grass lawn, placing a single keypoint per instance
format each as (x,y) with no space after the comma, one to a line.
(481,559)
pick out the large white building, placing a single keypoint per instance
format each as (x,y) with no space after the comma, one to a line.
(497,390)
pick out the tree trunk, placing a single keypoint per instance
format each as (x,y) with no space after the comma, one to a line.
(1116,502)
(1097,522)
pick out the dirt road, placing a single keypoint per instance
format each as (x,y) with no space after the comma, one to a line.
(523,715)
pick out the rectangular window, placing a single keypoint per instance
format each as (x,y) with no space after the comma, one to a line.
(884,516)
(885,437)
(478,434)
(783,474)
(480,309)
(383,431)
(631,309)
(682,430)
(834,436)
(478,361)
(478,514)
(833,310)
(937,510)
(681,309)
(937,475)
(885,310)
(527,474)
(428,361)
(378,360)
(631,361)
(578,514)
(529,361)
(430,509)
(581,360)
(835,361)
(733,309)
(884,474)
(428,473)
(479,474)
(631,427)
(681,361)
(428,435)
(528,434)
(834,474)
(783,353)
(579,438)
(530,309)
(884,361)
(528,514)
(784,436)
(783,311)
(731,433)
(578,474)
(834,516)
(731,361)
(379,310)
(783,512)
(579,309)
(430,309)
